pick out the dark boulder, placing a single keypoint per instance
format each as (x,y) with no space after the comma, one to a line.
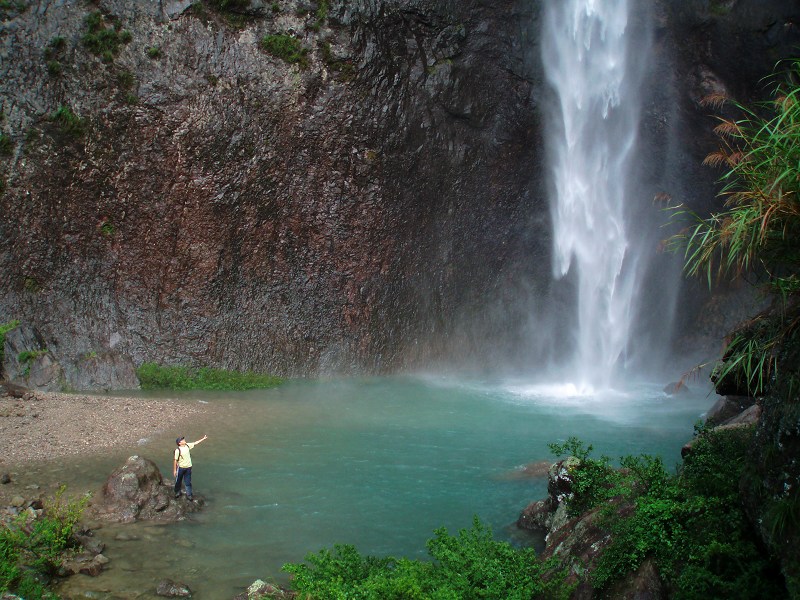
(728,407)
(136,491)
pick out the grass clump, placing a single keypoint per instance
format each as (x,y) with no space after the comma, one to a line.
(104,41)
(52,52)
(344,68)
(31,551)
(68,122)
(153,52)
(153,376)
(468,566)
(287,48)
(320,16)
(230,5)
(27,356)
(6,145)
(757,231)
(4,329)
(691,523)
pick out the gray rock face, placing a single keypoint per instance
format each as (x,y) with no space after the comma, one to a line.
(333,218)
(728,407)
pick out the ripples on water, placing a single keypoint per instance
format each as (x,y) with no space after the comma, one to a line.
(379,463)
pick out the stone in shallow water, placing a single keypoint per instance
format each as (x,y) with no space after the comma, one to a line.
(172,589)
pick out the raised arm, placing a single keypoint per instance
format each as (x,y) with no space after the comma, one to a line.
(201,439)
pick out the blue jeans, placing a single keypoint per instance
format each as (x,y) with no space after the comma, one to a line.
(184,475)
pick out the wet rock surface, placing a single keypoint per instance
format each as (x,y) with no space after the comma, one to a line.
(137,491)
(215,197)
(168,588)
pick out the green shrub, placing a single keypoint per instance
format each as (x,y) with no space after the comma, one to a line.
(27,356)
(691,523)
(229,5)
(286,48)
(53,67)
(153,376)
(54,47)
(104,41)
(8,7)
(68,122)
(153,52)
(4,329)
(6,145)
(320,16)
(757,231)
(468,566)
(31,552)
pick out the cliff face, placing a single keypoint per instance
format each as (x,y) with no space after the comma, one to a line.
(223,206)
(174,192)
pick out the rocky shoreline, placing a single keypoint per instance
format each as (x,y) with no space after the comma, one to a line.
(44,427)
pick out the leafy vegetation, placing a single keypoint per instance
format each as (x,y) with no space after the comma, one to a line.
(108,229)
(4,329)
(68,122)
(6,145)
(27,356)
(344,68)
(691,523)
(320,16)
(51,53)
(32,550)
(758,230)
(102,40)
(468,566)
(230,5)
(152,376)
(9,7)
(287,48)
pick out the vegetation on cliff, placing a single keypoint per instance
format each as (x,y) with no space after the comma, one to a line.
(757,234)
(4,329)
(692,523)
(153,377)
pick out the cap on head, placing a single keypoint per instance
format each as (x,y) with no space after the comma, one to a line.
(178,441)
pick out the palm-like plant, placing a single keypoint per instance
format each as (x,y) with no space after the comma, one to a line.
(758,229)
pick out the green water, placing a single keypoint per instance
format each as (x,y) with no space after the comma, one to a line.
(379,463)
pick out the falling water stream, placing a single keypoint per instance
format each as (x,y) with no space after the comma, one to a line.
(592,137)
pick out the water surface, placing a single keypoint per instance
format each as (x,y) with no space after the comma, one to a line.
(379,463)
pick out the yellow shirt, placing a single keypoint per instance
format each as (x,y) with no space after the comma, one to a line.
(183,456)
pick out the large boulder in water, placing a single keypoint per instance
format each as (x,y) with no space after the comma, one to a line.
(136,491)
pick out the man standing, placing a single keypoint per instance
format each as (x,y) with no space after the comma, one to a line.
(182,466)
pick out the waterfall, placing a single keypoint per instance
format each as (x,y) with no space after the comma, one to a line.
(592,139)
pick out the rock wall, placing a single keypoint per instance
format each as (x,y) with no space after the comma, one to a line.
(223,206)
(190,198)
